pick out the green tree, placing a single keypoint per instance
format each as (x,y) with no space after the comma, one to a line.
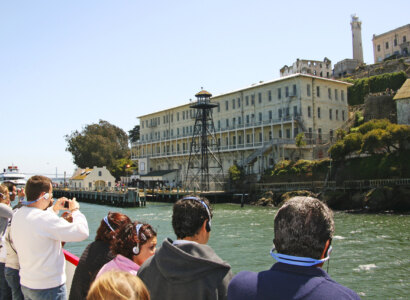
(376,140)
(300,142)
(400,135)
(340,134)
(236,173)
(337,151)
(134,134)
(98,145)
(352,143)
(123,167)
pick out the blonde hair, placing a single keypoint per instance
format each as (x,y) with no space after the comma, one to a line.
(118,285)
(4,196)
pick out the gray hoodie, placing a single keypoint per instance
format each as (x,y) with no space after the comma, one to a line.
(186,271)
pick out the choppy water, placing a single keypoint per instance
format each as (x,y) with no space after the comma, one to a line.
(371,253)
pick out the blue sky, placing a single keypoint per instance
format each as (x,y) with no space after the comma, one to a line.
(66,64)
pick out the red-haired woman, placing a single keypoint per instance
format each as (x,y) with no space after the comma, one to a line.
(134,243)
(96,255)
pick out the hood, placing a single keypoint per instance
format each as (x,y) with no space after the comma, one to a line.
(187,262)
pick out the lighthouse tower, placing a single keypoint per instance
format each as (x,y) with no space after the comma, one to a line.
(357,39)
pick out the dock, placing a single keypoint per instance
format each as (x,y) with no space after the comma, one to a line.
(123,198)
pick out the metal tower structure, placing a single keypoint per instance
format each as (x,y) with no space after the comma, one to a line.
(204,171)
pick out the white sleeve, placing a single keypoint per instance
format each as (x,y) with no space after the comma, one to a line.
(59,229)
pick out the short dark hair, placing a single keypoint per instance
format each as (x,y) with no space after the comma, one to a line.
(9,185)
(188,215)
(116,220)
(36,185)
(302,227)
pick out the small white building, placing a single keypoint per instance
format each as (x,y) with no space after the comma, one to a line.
(402,99)
(92,179)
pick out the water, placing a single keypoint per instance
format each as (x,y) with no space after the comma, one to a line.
(370,252)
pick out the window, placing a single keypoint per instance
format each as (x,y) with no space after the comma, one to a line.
(227,123)
(270,95)
(378,48)
(248,139)
(253,99)
(279,93)
(343,115)
(330,114)
(260,117)
(280,133)
(260,137)
(226,105)
(240,140)
(260,97)
(142,124)
(270,135)
(395,42)
(318,112)
(309,112)
(404,39)
(99,173)
(329,93)
(280,113)
(342,94)
(233,103)
(318,91)
(288,133)
(219,109)
(387,45)
(219,124)
(337,114)
(295,131)
(247,100)
(233,122)
(331,134)
(286,91)
(319,131)
(270,115)
(295,110)
(247,119)
(239,120)
(336,94)
(294,90)
(177,116)
(287,111)
(239,102)
(308,90)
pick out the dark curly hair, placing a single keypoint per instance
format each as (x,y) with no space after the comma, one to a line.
(145,233)
(188,215)
(116,220)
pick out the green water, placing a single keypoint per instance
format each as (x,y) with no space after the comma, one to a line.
(370,252)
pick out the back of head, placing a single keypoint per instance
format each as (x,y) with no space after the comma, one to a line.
(302,227)
(35,186)
(188,215)
(109,226)
(118,285)
(10,185)
(4,194)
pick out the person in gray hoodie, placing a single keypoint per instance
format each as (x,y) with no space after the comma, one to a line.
(187,268)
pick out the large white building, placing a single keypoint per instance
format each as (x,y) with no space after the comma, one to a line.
(255,126)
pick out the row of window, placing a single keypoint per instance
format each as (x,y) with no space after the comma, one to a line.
(395,43)
(319,115)
(249,100)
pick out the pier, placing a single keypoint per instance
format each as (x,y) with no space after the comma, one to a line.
(127,198)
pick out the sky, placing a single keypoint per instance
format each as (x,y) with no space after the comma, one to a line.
(67,64)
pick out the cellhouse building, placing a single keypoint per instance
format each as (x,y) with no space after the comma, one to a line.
(255,127)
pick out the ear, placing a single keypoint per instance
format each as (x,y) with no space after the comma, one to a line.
(327,245)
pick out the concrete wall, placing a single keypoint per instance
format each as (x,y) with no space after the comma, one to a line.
(403,111)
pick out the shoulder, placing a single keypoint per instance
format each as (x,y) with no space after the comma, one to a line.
(332,289)
(5,211)
(243,286)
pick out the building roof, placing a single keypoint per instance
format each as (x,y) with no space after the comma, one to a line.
(158,173)
(255,85)
(404,91)
(203,93)
(83,175)
(375,36)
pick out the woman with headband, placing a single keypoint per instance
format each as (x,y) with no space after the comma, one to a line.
(134,244)
(96,254)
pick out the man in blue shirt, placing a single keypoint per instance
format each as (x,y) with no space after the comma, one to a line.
(303,231)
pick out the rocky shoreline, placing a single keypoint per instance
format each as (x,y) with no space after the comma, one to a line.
(382,199)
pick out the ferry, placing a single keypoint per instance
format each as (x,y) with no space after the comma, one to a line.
(13,174)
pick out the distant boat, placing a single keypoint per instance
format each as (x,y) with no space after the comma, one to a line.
(13,175)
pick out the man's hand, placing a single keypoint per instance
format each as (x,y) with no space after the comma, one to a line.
(59,204)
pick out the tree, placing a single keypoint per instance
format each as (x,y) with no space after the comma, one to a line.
(236,173)
(123,167)
(134,134)
(352,142)
(300,142)
(98,145)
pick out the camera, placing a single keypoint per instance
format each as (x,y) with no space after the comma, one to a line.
(66,204)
